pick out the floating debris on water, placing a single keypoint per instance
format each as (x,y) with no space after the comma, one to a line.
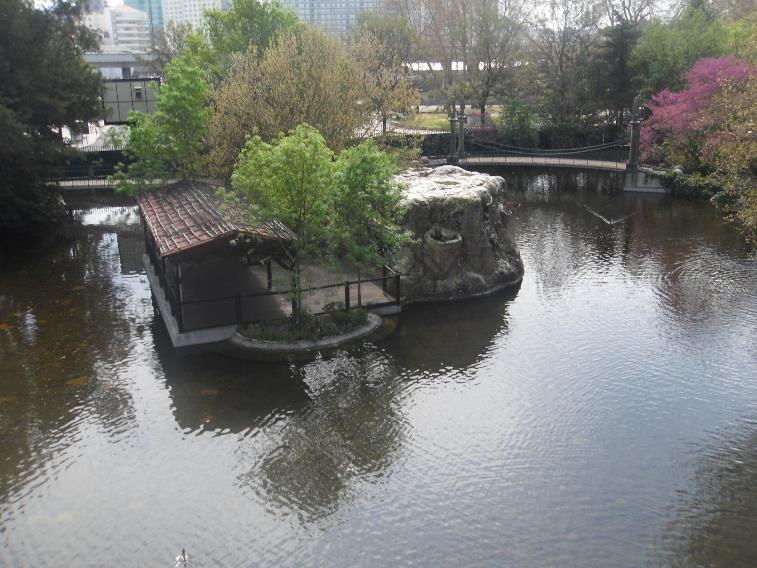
(8,398)
(7,326)
(209,391)
(77,381)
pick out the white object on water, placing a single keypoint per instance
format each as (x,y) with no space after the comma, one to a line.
(182,560)
(610,221)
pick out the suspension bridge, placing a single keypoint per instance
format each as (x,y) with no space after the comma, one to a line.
(469,147)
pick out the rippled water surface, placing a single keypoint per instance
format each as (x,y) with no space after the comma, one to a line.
(604,414)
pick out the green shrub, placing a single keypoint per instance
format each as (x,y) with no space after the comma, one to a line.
(693,186)
(307,327)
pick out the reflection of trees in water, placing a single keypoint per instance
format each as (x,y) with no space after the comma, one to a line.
(351,430)
(59,356)
(316,432)
(715,525)
(681,244)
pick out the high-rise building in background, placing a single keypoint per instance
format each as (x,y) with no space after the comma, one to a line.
(336,17)
(131,29)
(191,11)
(153,9)
(100,22)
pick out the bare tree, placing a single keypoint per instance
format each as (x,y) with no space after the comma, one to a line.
(388,88)
(496,27)
(619,12)
(563,40)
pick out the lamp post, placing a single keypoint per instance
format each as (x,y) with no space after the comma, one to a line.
(452,157)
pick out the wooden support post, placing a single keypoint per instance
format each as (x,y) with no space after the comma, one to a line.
(383,274)
(397,289)
(346,295)
(359,291)
(269,271)
(179,300)
(238,308)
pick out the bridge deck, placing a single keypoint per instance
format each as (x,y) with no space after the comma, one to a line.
(544,161)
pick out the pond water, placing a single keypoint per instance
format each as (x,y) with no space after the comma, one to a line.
(604,414)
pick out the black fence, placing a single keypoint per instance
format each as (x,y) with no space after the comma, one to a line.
(245,308)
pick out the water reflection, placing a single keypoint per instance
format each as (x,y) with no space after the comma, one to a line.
(62,339)
(211,392)
(349,435)
(314,434)
(565,423)
(715,522)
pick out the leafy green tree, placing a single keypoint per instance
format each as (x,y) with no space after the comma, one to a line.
(518,125)
(392,31)
(290,180)
(345,210)
(666,51)
(247,23)
(177,39)
(366,205)
(614,77)
(44,85)
(169,142)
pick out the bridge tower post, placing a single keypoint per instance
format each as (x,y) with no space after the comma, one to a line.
(452,155)
(634,152)
(462,119)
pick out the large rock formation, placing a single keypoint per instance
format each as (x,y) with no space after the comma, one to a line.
(460,222)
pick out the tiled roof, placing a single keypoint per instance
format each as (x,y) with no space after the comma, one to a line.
(187,214)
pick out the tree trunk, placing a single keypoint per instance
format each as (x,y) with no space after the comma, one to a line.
(295,275)
(383,124)
(483,114)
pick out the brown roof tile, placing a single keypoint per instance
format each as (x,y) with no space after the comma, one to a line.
(187,214)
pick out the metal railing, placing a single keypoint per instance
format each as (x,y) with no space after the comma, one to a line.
(544,161)
(245,308)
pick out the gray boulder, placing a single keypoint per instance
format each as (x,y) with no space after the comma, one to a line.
(462,248)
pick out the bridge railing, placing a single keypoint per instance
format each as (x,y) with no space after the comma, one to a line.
(494,159)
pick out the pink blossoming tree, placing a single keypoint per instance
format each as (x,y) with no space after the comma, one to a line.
(682,124)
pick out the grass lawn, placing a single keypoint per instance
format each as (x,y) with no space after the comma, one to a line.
(426,120)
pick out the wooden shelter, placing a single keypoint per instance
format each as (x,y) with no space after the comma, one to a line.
(193,247)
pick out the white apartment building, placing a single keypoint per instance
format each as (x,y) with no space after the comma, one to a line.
(189,10)
(131,29)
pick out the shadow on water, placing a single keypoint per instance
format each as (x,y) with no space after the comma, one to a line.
(434,337)
(215,393)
